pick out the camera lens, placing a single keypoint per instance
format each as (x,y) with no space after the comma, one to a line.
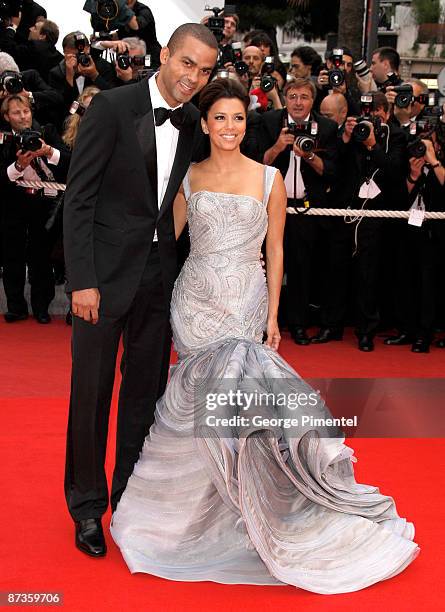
(13,84)
(361,68)
(83,59)
(123,61)
(403,100)
(267,83)
(107,9)
(241,68)
(305,143)
(336,77)
(361,131)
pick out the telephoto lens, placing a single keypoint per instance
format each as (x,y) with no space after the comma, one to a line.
(361,68)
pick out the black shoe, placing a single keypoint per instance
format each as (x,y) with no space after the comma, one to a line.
(300,336)
(365,343)
(90,537)
(399,340)
(326,334)
(440,343)
(420,345)
(12,317)
(42,317)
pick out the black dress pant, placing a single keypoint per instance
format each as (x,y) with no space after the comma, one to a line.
(317,249)
(415,295)
(145,330)
(368,259)
(26,242)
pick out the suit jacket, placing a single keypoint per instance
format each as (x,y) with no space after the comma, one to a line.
(39,55)
(111,205)
(147,32)
(317,187)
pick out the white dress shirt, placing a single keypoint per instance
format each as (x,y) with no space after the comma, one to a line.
(166,141)
(29,174)
(289,180)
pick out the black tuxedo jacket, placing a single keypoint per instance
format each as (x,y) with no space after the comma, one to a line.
(317,187)
(111,208)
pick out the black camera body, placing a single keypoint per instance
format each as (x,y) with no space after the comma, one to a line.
(305,134)
(81,42)
(216,23)
(405,95)
(237,59)
(336,76)
(125,61)
(11,82)
(28,140)
(366,121)
(423,129)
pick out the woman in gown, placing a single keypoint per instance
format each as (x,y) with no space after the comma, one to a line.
(245,503)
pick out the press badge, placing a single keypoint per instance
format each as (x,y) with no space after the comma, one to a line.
(369,190)
(417,212)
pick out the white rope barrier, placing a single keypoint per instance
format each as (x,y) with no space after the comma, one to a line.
(349,212)
(41,185)
(327,212)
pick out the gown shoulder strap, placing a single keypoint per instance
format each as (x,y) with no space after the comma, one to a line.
(269,176)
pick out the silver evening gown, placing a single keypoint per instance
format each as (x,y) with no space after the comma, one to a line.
(277,506)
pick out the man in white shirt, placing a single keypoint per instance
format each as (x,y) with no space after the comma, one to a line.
(133,149)
(24,212)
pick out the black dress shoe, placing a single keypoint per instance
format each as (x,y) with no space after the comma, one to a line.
(12,317)
(420,345)
(42,317)
(398,340)
(326,334)
(440,343)
(365,343)
(90,537)
(300,336)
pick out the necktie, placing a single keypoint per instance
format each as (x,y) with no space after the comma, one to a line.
(177,116)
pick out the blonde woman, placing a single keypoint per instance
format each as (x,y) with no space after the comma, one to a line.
(72,122)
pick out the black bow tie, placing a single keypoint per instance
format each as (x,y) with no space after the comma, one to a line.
(177,116)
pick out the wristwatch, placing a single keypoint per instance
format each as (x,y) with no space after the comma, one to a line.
(436,165)
(310,157)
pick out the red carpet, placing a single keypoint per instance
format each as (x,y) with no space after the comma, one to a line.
(37,552)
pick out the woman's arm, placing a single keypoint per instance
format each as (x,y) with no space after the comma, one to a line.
(179,212)
(276,210)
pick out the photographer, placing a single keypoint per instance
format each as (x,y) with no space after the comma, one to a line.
(403,116)
(78,70)
(308,172)
(335,78)
(31,11)
(145,30)
(36,155)
(134,57)
(46,102)
(385,65)
(266,46)
(416,249)
(262,85)
(304,62)
(372,175)
(39,51)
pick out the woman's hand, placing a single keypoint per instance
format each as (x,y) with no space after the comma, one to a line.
(273,334)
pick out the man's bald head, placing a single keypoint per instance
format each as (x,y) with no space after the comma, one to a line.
(254,59)
(335,107)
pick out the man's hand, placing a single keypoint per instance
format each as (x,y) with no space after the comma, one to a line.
(350,124)
(45,150)
(430,155)
(24,158)
(85,304)
(256,81)
(284,140)
(322,79)
(124,75)
(16,20)
(70,68)
(416,164)
(119,46)
(89,71)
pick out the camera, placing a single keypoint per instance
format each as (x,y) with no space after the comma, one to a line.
(361,68)
(237,59)
(10,8)
(305,134)
(77,108)
(404,95)
(423,129)
(366,121)
(216,23)
(336,76)
(268,81)
(108,14)
(28,140)
(11,82)
(125,61)
(81,42)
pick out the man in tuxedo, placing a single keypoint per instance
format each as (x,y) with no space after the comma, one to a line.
(307,176)
(133,149)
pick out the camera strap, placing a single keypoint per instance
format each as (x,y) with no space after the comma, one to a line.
(294,197)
